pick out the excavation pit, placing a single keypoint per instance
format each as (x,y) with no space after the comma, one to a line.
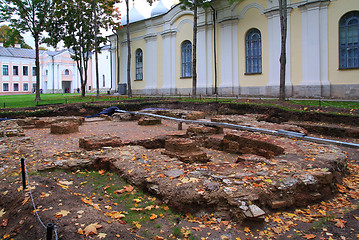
(245,171)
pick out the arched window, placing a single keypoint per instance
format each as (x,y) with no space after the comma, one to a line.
(186,58)
(349,40)
(139,64)
(253,51)
(67,72)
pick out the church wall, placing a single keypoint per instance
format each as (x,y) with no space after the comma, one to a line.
(184,25)
(253,19)
(296,47)
(344,83)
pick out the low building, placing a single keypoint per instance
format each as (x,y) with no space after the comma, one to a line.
(58,71)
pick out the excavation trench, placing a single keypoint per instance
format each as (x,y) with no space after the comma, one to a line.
(201,169)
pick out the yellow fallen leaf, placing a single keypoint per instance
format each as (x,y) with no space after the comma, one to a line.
(137,225)
(102,171)
(62,213)
(6,236)
(247,230)
(309,236)
(66,182)
(44,195)
(25,200)
(2,212)
(166,208)
(92,229)
(136,200)
(102,235)
(153,216)
(80,231)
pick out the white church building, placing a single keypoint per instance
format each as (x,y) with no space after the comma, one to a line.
(238,49)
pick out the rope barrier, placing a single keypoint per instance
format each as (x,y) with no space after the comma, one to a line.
(23,163)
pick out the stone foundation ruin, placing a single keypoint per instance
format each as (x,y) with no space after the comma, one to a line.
(233,174)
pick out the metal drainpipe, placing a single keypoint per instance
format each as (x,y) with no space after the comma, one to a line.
(215,50)
(111,62)
(117,59)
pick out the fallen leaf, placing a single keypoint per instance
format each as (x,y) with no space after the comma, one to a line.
(102,235)
(6,236)
(247,230)
(102,171)
(309,236)
(4,222)
(2,212)
(159,238)
(44,195)
(357,218)
(92,229)
(153,216)
(137,225)
(66,182)
(80,231)
(340,223)
(115,215)
(136,200)
(166,208)
(62,213)
(25,200)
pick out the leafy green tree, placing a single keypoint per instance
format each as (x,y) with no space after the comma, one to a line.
(194,5)
(28,16)
(10,37)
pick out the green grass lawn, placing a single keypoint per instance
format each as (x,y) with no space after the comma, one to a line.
(337,104)
(28,100)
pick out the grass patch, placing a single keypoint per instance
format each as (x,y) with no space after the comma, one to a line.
(140,207)
(28,100)
(321,103)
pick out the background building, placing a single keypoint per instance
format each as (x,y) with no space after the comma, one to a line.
(58,71)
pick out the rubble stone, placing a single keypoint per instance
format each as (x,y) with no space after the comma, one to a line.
(10,128)
(124,117)
(149,121)
(48,121)
(97,142)
(185,150)
(64,127)
(193,130)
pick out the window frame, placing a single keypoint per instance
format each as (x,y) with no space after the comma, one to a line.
(25,73)
(33,71)
(253,51)
(345,47)
(25,89)
(67,72)
(15,70)
(186,59)
(139,64)
(3,87)
(5,69)
(15,89)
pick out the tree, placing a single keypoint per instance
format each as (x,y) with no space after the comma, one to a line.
(10,37)
(28,16)
(104,14)
(73,22)
(283,59)
(70,22)
(129,87)
(193,5)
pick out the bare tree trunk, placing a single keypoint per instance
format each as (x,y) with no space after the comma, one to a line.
(96,48)
(129,92)
(283,60)
(37,64)
(194,51)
